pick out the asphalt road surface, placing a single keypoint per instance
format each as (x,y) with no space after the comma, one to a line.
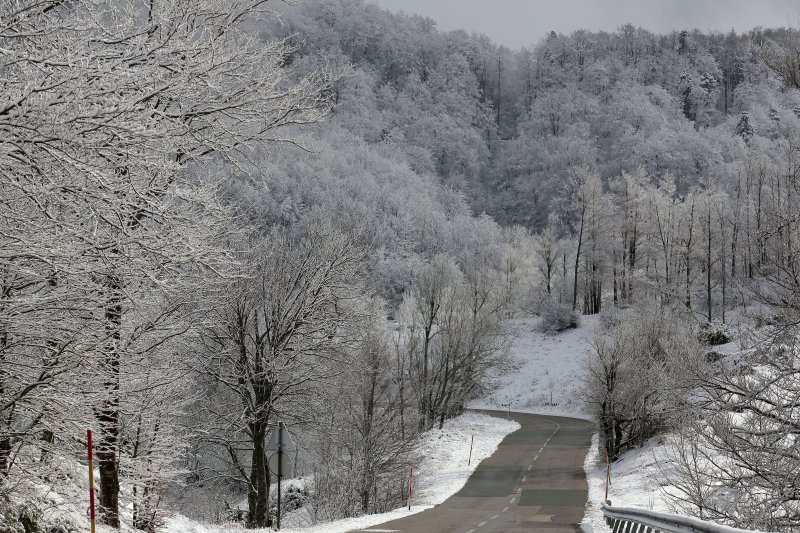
(534,482)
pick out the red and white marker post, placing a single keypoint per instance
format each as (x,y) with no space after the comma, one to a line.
(608,475)
(91,479)
(410,481)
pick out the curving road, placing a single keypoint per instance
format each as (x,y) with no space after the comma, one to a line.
(533,482)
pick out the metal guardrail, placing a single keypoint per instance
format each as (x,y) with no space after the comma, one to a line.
(631,520)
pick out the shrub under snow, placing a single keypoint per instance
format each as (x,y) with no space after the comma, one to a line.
(714,334)
(558,317)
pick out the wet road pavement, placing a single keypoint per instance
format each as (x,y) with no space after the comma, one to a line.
(534,482)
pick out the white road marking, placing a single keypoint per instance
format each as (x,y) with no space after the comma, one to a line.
(524,478)
(495,516)
(482,524)
(505,508)
(512,499)
(471,531)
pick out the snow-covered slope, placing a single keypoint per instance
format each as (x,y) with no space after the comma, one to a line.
(634,482)
(545,371)
(639,478)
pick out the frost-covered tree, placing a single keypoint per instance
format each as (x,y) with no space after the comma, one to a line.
(548,248)
(363,434)
(453,335)
(281,334)
(589,203)
(105,106)
(744,128)
(643,364)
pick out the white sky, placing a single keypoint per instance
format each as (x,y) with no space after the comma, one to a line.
(517,23)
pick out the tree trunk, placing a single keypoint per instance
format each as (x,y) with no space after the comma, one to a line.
(108,415)
(631,263)
(5,426)
(708,263)
(723,269)
(369,414)
(258,489)
(577,261)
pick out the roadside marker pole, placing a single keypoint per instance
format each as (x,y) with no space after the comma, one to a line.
(470,449)
(91,480)
(608,474)
(410,481)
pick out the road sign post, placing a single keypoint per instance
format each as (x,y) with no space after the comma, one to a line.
(280,442)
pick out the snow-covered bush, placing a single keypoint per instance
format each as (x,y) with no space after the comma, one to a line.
(557,317)
(62,528)
(28,518)
(714,333)
(610,317)
(293,497)
(9,521)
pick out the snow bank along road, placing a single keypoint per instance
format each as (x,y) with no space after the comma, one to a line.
(535,481)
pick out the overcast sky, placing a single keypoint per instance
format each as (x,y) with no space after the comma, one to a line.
(517,23)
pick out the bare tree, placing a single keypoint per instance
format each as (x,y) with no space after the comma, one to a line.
(642,367)
(284,332)
(362,451)
(738,462)
(454,335)
(781,57)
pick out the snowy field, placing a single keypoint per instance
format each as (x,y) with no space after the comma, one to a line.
(442,471)
(545,371)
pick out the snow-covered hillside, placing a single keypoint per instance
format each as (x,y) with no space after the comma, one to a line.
(545,371)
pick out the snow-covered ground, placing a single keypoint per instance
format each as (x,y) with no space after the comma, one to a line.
(636,481)
(545,371)
(442,471)
(64,500)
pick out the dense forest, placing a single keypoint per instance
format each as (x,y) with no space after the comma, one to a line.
(218,214)
(683,142)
